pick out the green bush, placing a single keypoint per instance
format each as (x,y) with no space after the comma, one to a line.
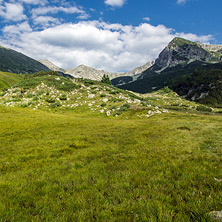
(122,109)
(35,98)
(204,109)
(50,100)
(24,105)
(103,95)
(113,107)
(2,93)
(54,105)
(103,104)
(63,97)
(126,105)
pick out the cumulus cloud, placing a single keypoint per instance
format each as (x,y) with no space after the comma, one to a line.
(181,2)
(112,47)
(115,3)
(146,19)
(56,9)
(35,2)
(12,12)
(46,21)
(11,30)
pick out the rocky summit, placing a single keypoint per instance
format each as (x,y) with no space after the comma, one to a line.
(181,51)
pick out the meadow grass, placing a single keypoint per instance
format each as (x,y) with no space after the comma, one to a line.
(9,79)
(77,167)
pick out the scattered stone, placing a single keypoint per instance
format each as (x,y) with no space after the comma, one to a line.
(216,215)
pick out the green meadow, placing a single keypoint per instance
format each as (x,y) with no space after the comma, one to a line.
(76,165)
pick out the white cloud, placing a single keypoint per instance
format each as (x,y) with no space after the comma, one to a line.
(112,47)
(34,2)
(13,12)
(115,3)
(146,19)
(18,29)
(46,21)
(181,2)
(55,9)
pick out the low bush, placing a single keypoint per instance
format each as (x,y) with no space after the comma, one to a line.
(204,109)
(63,97)
(50,100)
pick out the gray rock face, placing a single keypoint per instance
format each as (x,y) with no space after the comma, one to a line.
(51,66)
(183,52)
(139,69)
(210,47)
(86,72)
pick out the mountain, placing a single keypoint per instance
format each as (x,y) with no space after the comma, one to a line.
(181,51)
(51,66)
(140,69)
(176,62)
(15,62)
(86,72)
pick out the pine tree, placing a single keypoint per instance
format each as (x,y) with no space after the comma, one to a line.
(105,79)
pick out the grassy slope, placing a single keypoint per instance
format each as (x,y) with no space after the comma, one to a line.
(59,167)
(9,79)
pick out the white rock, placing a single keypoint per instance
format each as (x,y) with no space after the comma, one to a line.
(105,100)
(90,96)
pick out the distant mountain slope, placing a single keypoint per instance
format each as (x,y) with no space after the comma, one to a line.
(51,66)
(86,72)
(204,86)
(180,59)
(15,62)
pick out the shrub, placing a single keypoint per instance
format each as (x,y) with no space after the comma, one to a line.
(24,105)
(103,104)
(2,94)
(126,105)
(113,107)
(122,109)
(54,105)
(35,98)
(29,95)
(50,100)
(204,109)
(103,95)
(63,97)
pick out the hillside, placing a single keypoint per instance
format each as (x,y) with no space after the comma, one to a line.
(86,72)
(15,62)
(8,79)
(180,58)
(71,145)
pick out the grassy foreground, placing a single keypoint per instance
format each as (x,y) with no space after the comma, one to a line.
(60,167)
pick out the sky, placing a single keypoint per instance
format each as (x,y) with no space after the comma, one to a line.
(113,35)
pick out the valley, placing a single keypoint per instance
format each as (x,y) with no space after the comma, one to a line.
(78,149)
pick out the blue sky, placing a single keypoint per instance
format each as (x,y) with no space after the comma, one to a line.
(115,35)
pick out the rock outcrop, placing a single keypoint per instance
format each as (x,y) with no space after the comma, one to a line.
(181,51)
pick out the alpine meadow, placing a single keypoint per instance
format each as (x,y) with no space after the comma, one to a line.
(108,115)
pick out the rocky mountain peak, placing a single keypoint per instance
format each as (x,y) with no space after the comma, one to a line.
(181,51)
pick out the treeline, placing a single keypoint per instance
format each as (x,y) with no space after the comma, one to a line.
(204,86)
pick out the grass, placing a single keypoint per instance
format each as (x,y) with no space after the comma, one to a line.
(79,150)
(9,79)
(67,167)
